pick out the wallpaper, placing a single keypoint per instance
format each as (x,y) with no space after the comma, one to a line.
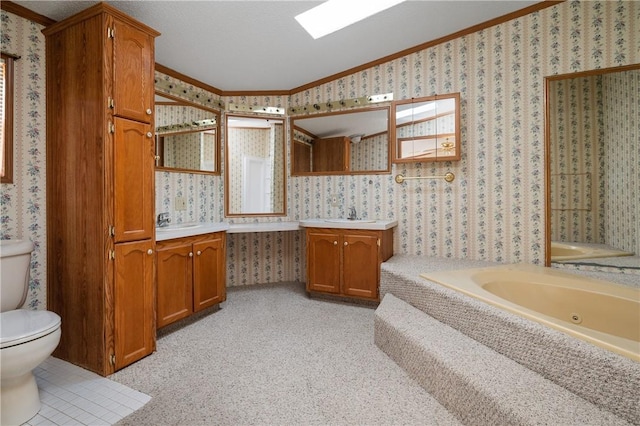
(23,203)
(493,210)
(622,179)
(371,153)
(577,160)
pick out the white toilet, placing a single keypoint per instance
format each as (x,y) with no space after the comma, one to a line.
(27,337)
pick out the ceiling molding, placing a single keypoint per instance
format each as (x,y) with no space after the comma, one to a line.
(25,13)
(484,25)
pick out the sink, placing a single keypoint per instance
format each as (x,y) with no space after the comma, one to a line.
(178,227)
(350,220)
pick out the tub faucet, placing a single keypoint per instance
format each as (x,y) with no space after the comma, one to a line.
(352,213)
(163,219)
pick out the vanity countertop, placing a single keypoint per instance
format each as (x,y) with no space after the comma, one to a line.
(372,225)
(238,228)
(180,230)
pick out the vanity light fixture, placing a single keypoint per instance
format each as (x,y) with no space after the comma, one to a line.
(334,15)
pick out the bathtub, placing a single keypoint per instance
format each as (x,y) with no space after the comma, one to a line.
(566,251)
(600,312)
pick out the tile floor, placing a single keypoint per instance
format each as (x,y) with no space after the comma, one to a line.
(71,395)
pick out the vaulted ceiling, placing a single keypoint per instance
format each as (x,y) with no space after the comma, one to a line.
(245,45)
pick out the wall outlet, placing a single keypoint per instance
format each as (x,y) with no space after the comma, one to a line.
(334,200)
(180,203)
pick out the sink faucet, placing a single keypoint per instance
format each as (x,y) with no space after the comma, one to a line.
(163,219)
(352,213)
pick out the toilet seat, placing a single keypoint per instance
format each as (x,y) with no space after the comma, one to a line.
(22,325)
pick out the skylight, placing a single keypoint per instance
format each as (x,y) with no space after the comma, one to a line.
(334,15)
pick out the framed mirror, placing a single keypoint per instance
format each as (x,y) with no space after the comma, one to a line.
(592,182)
(341,143)
(427,129)
(255,179)
(187,137)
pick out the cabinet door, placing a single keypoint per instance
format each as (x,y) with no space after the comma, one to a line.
(323,261)
(134,335)
(133,69)
(174,282)
(133,181)
(209,287)
(361,271)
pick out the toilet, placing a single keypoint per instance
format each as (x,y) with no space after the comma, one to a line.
(27,337)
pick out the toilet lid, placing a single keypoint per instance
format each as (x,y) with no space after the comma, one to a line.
(22,325)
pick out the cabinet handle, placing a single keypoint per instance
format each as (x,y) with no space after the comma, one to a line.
(335,243)
(149,111)
(149,251)
(190,254)
(198,252)
(149,134)
(346,243)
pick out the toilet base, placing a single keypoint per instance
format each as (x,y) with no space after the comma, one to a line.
(20,399)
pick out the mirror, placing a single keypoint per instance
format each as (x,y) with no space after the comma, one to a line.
(341,143)
(593,185)
(187,137)
(427,129)
(255,161)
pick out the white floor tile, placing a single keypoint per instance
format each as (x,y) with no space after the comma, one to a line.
(73,396)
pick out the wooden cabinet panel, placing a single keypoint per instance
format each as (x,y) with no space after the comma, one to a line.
(174,271)
(133,72)
(323,265)
(346,262)
(133,180)
(133,302)
(209,273)
(191,274)
(331,154)
(361,273)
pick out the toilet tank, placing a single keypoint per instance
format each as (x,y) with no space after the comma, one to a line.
(15,258)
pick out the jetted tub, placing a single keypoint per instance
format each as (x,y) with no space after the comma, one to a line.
(566,251)
(600,312)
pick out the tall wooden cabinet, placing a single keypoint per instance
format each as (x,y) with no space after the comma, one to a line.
(100,188)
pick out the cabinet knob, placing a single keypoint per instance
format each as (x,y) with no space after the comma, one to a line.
(190,254)
(149,251)
(149,134)
(149,111)
(198,252)
(346,243)
(156,157)
(335,243)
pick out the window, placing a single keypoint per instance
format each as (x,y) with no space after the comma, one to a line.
(6,114)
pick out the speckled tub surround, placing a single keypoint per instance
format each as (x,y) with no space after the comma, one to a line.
(607,380)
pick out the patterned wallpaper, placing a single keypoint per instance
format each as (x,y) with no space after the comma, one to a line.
(23,203)
(577,160)
(371,153)
(494,210)
(622,154)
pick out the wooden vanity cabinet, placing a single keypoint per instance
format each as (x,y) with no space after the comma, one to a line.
(190,275)
(346,262)
(100,187)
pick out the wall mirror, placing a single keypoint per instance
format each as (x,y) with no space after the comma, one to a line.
(593,184)
(339,143)
(427,129)
(255,181)
(187,137)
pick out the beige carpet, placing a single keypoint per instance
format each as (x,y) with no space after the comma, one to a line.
(272,356)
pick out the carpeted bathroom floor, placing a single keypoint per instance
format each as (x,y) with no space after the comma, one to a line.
(273,356)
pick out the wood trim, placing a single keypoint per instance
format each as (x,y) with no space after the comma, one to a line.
(23,12)
(8,118)
(175,74)
(257,93)
(96,10)
(484,25)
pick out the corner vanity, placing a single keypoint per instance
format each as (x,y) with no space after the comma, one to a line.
(190,270)
(344,256)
